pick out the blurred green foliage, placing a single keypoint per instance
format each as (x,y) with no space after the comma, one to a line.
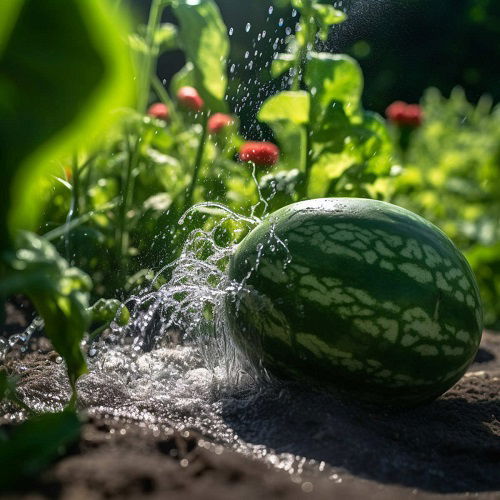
(48,104)
(451,176)
(64,69)
(27,449)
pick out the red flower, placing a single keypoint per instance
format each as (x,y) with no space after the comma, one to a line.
(219,122)
(159,110)
(404,114)
(260,153)
(190,99)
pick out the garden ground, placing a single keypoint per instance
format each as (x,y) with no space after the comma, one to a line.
(451,446)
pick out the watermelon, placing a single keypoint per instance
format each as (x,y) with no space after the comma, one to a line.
(355,295)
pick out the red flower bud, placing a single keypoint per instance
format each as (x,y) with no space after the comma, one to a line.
(260,153)
(159,110)
(190,99)
(219,122)
(403,114)
(414,115)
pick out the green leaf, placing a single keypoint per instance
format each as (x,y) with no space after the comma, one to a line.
(108,310)
(334,77)
(166,37)
(58,292)
(282,63)
(292,106)
(326,16)
(204,39)
(63,69)
(35,444)
(184,78)
(329,15)
(374,144)
(280,188)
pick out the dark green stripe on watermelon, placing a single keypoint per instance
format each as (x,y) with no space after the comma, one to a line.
(375,300)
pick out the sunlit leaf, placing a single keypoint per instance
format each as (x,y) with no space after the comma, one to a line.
(328,14)
(292,106)
(205,40)
(107,310)
(63,68)
(282,63)
(59,293)
(334,77)
(166,37)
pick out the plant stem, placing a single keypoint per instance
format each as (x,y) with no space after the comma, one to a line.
(308,163)
(75,174)
(75,205)
(151,57)
(298,69)
(75,222)
(94,334)
(133,159)
(188,201)
(162,93)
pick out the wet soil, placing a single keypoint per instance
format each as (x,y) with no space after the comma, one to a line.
(450,447)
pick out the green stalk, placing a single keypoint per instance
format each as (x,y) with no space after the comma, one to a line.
(162,93)
(75,205)
(298,68)
(75,175)
(149,66)
(94,334)
(307,164)
(123,236)
(188,201)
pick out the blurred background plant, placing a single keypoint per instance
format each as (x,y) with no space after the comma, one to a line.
(450,175)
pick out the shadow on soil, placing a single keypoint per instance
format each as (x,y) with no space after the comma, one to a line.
(449,446)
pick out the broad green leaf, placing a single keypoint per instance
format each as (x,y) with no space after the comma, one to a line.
(330,127)
(282,63)
(292,142)
(35,444)
(63,69)
(334,77)
(204,38)
(58,292)
(292,106)
(373,144)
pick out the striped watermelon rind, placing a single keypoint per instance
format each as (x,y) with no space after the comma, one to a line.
(357,295)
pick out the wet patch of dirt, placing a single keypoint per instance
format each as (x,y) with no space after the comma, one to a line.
(450,447)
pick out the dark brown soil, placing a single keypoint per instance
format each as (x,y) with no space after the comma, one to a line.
(451,447)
